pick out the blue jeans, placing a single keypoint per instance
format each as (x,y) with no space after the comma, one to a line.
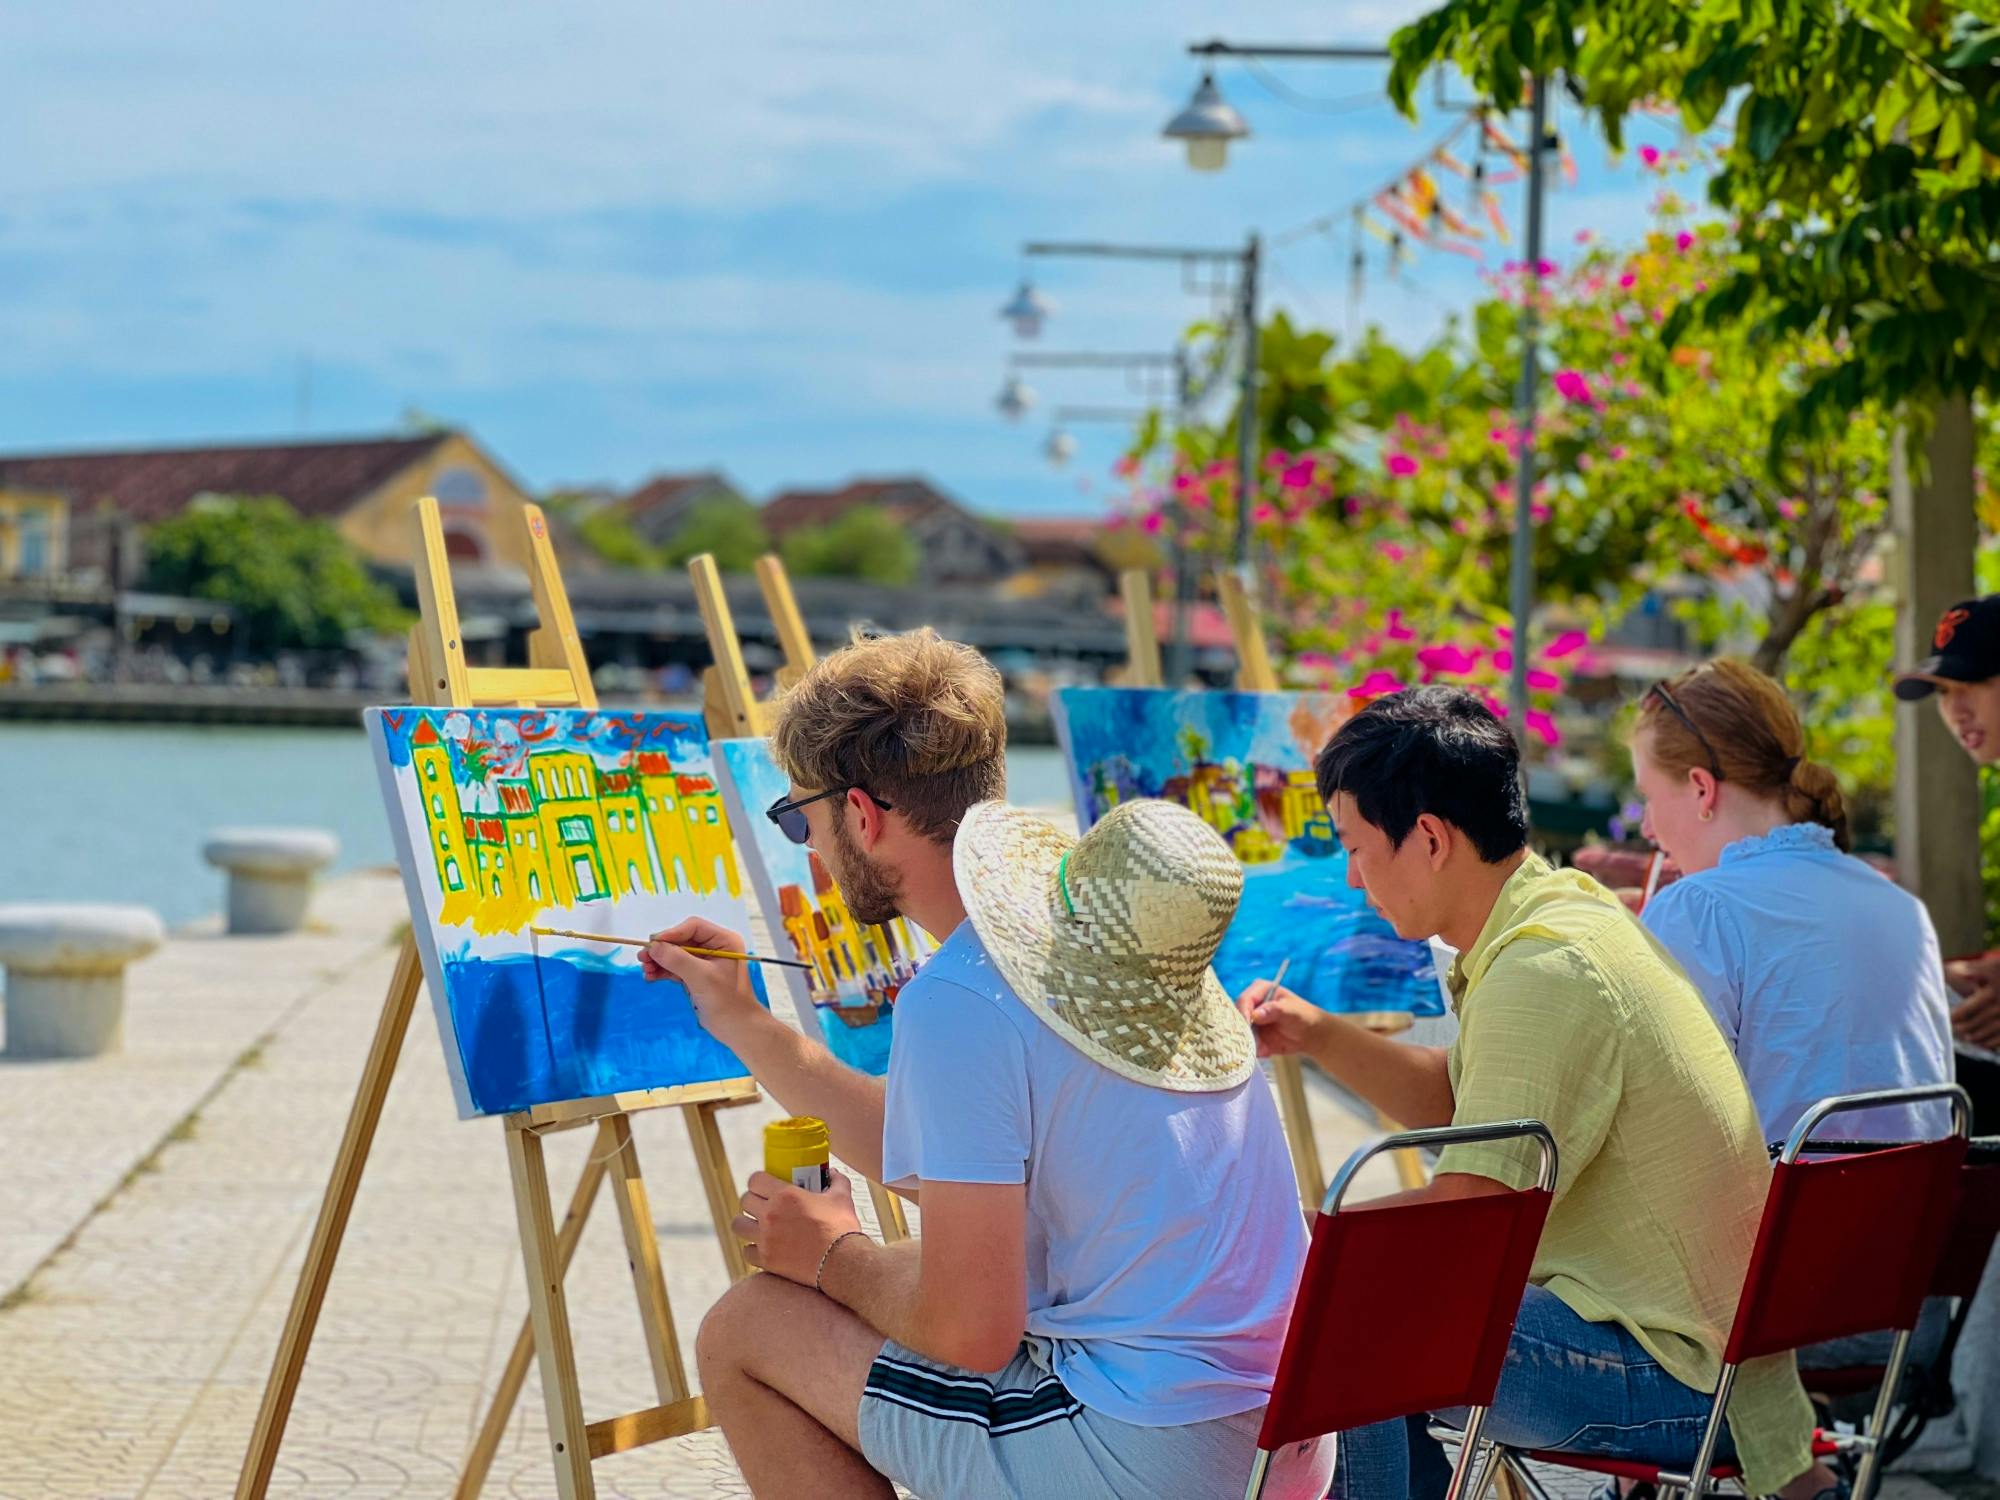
(1588,1387)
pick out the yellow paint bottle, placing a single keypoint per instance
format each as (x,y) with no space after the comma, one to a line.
(799,1151)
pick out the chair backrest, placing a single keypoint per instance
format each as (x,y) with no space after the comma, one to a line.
(1848,1244)
(1973,1230)
(1407,1309)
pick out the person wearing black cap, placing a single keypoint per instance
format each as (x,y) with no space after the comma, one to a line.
(1963,674)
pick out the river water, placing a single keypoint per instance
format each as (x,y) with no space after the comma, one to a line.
(116,812)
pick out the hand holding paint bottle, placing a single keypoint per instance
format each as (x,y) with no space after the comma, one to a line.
(800,1152)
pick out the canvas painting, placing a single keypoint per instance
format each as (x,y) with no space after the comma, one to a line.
(1243,763)
(849,999)
(510,819)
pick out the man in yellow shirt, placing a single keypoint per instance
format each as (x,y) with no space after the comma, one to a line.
(1571,1014)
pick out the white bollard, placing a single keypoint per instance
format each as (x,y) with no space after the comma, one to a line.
(66,975)
(271,874)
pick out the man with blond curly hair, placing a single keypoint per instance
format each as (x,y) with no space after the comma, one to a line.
(1110,1237)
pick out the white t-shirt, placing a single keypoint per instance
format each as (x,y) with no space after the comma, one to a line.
(1164,1239)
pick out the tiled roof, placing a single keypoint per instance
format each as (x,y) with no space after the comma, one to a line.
(907,498)
(1057,540)
(671,489)
(320,479)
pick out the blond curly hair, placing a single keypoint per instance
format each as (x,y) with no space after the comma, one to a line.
(916,721)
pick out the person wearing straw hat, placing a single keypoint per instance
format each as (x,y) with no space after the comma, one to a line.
(1110,1240)
(1570,1014)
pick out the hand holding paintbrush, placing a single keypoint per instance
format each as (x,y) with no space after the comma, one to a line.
(626,942)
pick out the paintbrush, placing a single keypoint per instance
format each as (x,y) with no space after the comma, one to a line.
(625,942)
(1652,878)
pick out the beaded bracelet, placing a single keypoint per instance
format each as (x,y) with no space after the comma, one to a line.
(820,1275)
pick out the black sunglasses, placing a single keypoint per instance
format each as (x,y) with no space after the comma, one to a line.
(1659,690)
(789,814)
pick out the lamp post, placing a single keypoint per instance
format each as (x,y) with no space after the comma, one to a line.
(1208,124)
(1139,369)
(1245,264)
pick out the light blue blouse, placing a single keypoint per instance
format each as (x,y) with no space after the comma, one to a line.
(1824,975)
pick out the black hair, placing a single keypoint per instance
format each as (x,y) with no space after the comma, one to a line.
(1435,750)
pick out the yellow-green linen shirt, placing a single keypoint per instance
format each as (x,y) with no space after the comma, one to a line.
(1571,1014)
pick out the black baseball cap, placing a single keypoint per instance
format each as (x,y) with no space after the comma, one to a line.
(1967,647)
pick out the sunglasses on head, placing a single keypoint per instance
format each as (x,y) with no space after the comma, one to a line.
(1659,690)
(789,813)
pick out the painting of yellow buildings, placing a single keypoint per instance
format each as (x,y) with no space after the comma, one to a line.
(564,830)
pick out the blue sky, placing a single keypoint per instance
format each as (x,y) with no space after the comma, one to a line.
(619,238)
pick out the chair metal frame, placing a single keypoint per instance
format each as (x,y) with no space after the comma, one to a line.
(1436,1139)
(1695,1483)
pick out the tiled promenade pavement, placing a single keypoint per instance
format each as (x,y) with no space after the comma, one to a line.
(154,1211)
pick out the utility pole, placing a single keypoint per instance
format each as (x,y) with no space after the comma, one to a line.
(1246,426)
(1522,574)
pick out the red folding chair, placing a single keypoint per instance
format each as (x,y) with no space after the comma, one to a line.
(1847,1245)
(1406,1309)
(1968,1244)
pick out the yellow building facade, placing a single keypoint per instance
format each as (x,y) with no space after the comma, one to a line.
(34,535)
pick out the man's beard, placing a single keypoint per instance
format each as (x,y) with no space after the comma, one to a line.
(873,893)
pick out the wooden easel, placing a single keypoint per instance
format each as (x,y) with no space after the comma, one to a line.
(557,676)
(1255,674)
(734,711)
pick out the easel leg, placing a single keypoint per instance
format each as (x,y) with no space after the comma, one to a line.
(888,1213)
(642,1254)
(479,1462)
(1289,1077)
(331,1226)
(1410,1171)
(712,1162)
(548,1308)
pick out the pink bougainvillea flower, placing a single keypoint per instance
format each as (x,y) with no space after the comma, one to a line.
(1402,465)
(1262,514)
(1629,280)
(1299,475)
(1395,629)
(1126,467)
(1684,241)
(1319,661)
(1574,386)
(1392,551)
(1539,511)
(1543,681)
(1152,523)
(1376,684)
(1493,705)
(1503,660)
(1542,727)
(1567,644)
(1196,499)
(1584,236)
(1650,155)
(1453,661)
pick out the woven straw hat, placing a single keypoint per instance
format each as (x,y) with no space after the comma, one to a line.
(1108,938)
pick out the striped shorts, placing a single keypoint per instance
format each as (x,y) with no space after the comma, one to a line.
(949,1434)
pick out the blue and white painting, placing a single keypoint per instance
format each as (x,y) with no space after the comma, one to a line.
(848,1000)
(607,823)
(1242,762)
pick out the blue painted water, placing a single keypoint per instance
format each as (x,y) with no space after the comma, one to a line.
(863,1047)
(1342,955)
(572,1027)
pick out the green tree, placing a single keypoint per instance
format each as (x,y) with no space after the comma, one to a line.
(724,526)
(606,531)
(867,542)
(295,584)
(1858,165)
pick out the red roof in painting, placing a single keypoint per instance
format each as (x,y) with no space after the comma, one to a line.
(617,781)
(426,733)
(322,479)
(514,796)
(653,763)
(692,785)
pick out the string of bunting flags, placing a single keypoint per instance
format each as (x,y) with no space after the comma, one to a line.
(1415,210)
